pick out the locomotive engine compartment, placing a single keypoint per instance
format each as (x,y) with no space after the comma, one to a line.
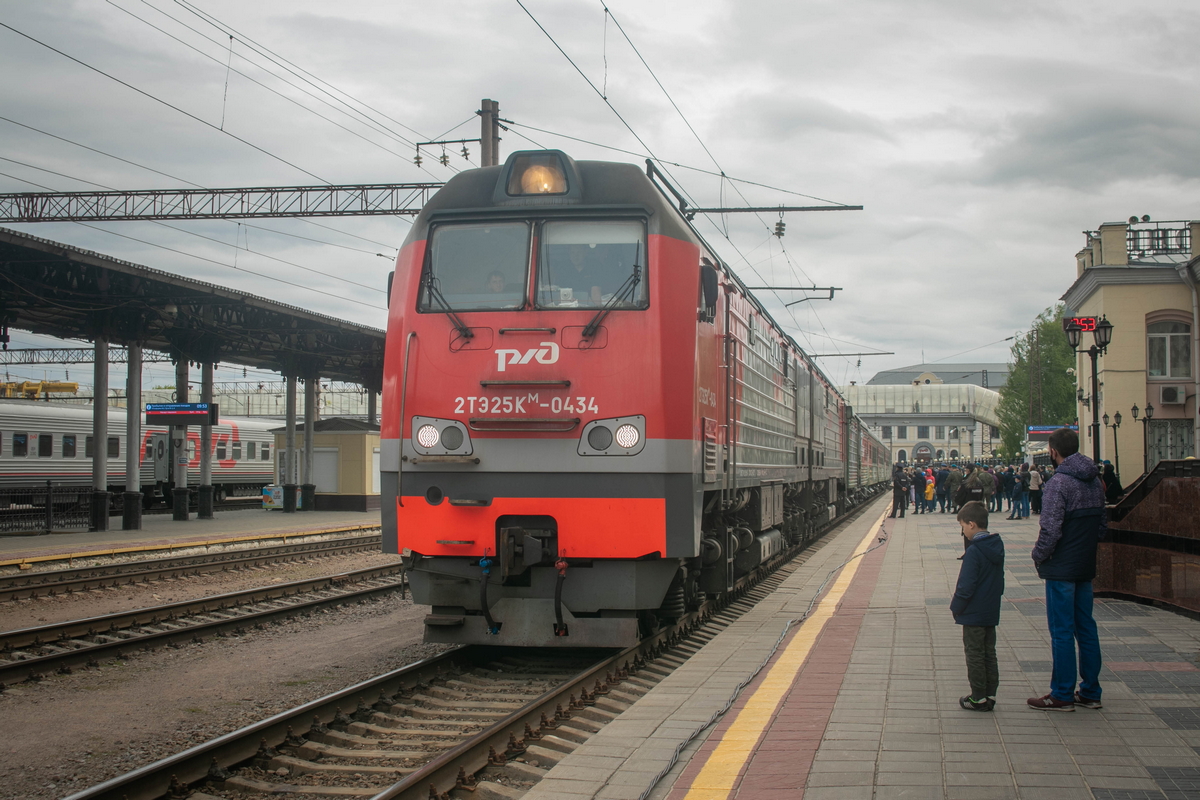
(589,425)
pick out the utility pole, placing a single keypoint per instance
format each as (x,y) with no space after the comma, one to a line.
(489,133)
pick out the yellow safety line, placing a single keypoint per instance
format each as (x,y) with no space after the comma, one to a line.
(284,535)
(720,771)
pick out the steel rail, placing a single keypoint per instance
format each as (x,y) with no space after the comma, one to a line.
(25,585)
(115,629)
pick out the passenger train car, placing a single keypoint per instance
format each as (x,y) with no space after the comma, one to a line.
(589,424)
(42,442)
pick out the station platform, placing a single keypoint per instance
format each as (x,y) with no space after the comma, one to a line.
(860,701)
(161,533)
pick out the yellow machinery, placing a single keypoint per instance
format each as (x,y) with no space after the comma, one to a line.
(29,390)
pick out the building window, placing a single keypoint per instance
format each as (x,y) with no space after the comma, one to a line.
(901,432)
(941,454)
(953,432)
(887,432)
(939,433)
(68,446)
(995,431)
(902,456)
(922,431)
(954,454)
(1170,350)
(20,444)
(45,445)
(250,450)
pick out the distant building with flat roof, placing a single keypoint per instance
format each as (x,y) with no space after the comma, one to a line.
(933,412)
(993,376)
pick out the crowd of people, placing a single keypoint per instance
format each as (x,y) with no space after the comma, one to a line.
(945,488)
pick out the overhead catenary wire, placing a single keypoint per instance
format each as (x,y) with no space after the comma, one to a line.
(209,238)
(209,260)
(333,92)
(262,85)
(159,100)
(198,186)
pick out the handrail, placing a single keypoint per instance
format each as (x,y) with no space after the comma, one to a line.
(527,330)
(563,383)
(403,393)
(522,423)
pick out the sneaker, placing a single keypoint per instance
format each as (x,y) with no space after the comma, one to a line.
(1080,700)
(971,704)
(1049,703)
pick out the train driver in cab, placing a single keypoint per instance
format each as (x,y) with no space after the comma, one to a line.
(581,273)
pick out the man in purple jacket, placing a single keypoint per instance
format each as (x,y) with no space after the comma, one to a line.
(1073,521)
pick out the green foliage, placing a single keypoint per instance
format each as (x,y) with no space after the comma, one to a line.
(1044,345)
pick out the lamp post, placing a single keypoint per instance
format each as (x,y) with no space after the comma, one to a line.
(1116,423)
(1145,437)
(1103,336)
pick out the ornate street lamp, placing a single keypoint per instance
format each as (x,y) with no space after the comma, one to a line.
(1103,336)
(1116,450)
(1145,438)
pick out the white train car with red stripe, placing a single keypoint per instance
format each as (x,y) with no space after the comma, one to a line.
(42,442)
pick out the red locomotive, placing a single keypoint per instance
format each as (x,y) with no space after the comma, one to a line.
(566,360)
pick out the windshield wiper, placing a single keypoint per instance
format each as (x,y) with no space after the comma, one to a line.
(619,296)
(436,294)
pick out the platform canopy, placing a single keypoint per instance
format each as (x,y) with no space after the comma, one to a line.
(58,290)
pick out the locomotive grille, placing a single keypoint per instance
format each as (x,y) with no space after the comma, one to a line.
(710,450)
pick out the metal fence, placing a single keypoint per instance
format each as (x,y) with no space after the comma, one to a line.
(47,508)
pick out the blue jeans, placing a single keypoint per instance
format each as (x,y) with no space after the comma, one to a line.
(1069,613)
(1023,505)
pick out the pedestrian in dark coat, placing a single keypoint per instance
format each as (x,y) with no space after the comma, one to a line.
(1073,522)
(976,605)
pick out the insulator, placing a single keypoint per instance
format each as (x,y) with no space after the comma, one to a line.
(445,159)
(780,227)
(417,160)
(466,154)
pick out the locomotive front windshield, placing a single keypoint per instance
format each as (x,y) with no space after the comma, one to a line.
(477,267)
(592,264)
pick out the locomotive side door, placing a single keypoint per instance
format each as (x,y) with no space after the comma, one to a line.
(160,456)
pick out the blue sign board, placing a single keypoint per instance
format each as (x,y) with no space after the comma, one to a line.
(181,413)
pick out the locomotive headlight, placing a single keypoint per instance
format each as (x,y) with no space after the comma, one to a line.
(452,437)
(537,173)
(433,436)
(600,438)
(427,436)
(628,436)
(615,436)
(539,179)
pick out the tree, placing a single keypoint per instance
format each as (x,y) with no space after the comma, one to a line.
(1041,383)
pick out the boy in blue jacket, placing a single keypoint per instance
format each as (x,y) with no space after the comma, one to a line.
(976,605)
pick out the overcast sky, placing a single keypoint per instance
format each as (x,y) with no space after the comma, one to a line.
(982,138)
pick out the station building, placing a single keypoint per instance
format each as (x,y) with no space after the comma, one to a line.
(1142,276)
(933,412)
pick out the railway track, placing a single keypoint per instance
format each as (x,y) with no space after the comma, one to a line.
(33,653)
(29,585)
(482,722)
